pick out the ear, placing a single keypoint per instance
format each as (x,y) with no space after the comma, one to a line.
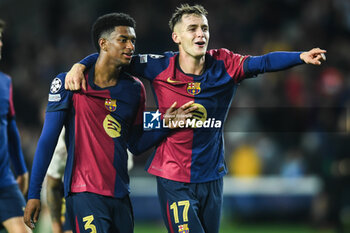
(175,38)
(103,44)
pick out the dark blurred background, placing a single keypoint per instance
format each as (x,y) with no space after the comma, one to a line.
(284,126)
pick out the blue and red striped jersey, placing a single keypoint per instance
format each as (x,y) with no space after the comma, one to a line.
(98,125)
(197,154)
(192,154)
(10,147)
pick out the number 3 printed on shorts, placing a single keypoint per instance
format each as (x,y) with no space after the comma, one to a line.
(174,208)
(88,225)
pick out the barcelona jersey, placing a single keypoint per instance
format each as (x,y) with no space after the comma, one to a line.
(7,112)
(195,154)
(97,129)
(192,154)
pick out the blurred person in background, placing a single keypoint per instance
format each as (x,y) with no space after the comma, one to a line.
(12,201)
(245,161)
(189,163)
(54,187)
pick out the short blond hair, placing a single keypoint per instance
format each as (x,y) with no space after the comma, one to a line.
(185,9)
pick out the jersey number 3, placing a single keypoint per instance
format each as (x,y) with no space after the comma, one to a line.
(88,225)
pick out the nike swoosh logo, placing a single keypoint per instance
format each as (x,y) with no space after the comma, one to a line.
(241,59)
(169,80)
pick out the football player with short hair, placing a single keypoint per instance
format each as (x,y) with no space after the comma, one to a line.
(101,122)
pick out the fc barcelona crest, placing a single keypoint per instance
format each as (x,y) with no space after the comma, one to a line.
(194,88)
(184,228)
(111,105)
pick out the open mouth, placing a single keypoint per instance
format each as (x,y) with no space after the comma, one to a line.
(200,43)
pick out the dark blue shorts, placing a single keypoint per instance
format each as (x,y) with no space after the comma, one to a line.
(90,212)
(191,207)
(12,203)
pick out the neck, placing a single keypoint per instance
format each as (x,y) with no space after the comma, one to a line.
(191,65)
(106,72)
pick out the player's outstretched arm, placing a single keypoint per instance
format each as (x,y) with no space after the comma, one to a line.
(315,56)
(31,212)
(276,61)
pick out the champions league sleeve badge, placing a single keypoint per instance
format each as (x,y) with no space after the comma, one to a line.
(55,85)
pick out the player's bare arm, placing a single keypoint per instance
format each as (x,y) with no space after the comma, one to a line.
(31,212)
(54,202)
(22,181)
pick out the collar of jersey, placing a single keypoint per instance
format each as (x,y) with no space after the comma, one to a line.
(91,74)
(208,63)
